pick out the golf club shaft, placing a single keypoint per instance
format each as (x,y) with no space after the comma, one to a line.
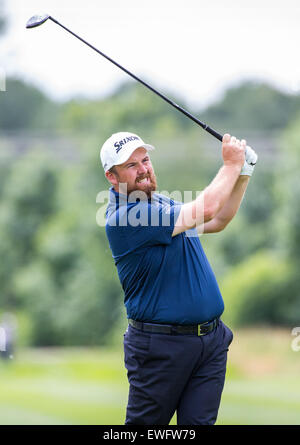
(182,110)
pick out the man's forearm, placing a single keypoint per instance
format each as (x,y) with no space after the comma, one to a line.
(209,202)
(217,194)
(230,208)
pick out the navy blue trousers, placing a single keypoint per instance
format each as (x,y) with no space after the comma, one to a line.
(175,372)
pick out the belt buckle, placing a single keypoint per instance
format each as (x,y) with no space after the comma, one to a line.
(199,331)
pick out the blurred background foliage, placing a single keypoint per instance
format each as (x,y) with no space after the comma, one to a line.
(56,272)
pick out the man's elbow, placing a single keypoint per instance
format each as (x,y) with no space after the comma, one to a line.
(221,224)
(210,211)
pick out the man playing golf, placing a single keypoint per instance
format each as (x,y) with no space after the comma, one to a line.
(175,345)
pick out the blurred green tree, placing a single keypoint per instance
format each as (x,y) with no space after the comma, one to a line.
(288,190)
(27,200)
(24,106)
(130,108)
(253,106)
(262,290)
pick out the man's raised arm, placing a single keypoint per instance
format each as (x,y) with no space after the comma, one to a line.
(210,202)
(229,210)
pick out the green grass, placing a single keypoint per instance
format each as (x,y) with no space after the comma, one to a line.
(63,386)
(89,386)
(260,402)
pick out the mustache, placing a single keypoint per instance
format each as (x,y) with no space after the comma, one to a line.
(140,178)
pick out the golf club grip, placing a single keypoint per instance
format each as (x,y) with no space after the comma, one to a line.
(214,133)
(162,96)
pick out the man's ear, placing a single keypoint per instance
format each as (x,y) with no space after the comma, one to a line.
(111,177)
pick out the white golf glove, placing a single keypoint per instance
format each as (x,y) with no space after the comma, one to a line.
(250,161)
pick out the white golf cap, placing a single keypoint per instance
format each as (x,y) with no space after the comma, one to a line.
(119,147)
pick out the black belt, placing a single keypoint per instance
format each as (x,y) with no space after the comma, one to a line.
(198,329)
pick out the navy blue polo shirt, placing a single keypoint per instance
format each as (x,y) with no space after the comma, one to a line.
(165,279)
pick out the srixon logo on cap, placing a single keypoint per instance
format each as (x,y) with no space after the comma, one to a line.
(124,141)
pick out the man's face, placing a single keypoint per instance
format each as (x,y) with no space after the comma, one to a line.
(137,172)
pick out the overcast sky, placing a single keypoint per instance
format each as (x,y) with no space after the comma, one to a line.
(192,48)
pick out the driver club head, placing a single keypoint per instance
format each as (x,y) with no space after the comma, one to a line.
(37,20)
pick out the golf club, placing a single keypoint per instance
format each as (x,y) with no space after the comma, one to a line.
(38,20)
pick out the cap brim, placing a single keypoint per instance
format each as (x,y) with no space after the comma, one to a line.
(127,153)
